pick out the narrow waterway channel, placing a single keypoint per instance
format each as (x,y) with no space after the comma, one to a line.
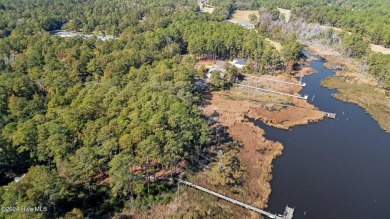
(334,168)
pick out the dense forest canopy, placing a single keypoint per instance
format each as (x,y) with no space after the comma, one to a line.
(103,16)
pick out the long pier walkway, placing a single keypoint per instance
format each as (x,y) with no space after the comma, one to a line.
(288,214)
(272,91)
(270,79)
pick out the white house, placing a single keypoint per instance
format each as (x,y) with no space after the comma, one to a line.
(238,62)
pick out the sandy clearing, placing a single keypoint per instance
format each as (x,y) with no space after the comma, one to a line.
(286,13)
(381,49)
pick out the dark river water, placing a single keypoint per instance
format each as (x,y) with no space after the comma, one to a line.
(334,168)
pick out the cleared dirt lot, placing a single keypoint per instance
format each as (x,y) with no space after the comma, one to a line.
(243,15)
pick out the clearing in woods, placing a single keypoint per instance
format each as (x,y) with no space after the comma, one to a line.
(381,49)
(243,15)
(286,13)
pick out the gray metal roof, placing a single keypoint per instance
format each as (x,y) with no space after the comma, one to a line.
(246,24)
(239,61)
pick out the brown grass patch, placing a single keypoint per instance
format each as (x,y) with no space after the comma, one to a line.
(305,71)
(381,49)
(243,15)
(205,62)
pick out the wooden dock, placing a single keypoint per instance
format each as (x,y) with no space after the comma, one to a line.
(288,213)
(279,81)
(272,91)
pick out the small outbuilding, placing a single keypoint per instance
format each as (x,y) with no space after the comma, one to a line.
(18,178)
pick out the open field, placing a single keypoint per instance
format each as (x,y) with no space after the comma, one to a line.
(286,13)
(243,15)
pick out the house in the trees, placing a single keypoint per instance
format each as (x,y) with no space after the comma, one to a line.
(18,178)
(238,62)
(246,24)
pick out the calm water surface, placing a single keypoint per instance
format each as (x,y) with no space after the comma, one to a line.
(335,168)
